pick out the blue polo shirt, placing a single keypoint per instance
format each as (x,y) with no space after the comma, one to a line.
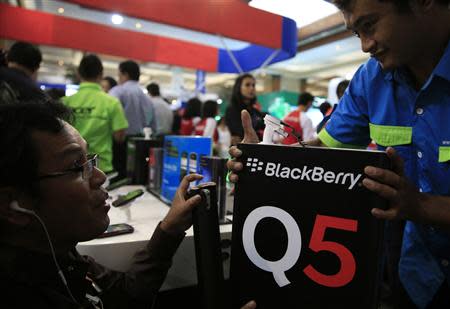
(383,106)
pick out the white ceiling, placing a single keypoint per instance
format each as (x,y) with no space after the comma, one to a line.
(304,12)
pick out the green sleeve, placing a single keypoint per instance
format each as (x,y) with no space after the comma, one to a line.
(118,119)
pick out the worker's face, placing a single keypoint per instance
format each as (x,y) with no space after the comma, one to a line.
(393,38)
(248,90)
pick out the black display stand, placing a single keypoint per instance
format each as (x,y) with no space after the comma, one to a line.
(138,157)
(303,234)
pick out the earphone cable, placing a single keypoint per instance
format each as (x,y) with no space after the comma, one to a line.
(60,273)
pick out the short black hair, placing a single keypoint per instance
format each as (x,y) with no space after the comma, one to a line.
(340,89)
(131,68)
(324,107)
(153,89)
(19,159)
(209,109)
(111,81)
(90,67)
(401,5)
(25,54)
(305,98)
(193,108)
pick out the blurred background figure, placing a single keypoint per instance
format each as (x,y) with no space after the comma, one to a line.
(325,108)
(301,123)
(163,113)
(98,116)
(137,106)
(138,110)
(243,97)
(341,87)
(191,116)
(55,93)
(340,90)
(20,73)
(108,83)
(224,142)
(207,125)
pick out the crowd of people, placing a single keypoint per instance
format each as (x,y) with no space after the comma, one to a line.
(51,194)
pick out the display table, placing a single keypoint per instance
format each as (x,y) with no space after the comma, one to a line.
(144,214)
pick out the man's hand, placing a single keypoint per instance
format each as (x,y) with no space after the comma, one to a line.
(250,305)
(179,217)
(250,137)
(405,201)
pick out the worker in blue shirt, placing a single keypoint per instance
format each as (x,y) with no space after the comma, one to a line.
(400,98)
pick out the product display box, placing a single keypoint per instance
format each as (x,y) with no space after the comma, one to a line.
(181,156)
(303,234)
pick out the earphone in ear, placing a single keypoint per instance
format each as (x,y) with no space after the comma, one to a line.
(15,206)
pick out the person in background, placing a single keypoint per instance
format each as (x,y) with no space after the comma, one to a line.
(341,87)
(325,108)
(98,116)
(55,93)
(163,112)
(108,83)
(243,97)
(400,98)
(191,116)
(207,125)
(224,141)
(19,77)
(340,90)
(138,109)
(298,120)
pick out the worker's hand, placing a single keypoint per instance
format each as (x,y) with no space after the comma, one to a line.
(179,217)
(250,305)
(250,137)
(405,201)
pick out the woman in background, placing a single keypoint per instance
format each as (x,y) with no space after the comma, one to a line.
(108,83)
(207,125)
(191,116)
(243,97)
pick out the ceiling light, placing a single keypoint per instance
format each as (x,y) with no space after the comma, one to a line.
(138,26)
(61,10)
(116,19)
(219,101)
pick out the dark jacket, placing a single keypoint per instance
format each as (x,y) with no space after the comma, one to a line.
(24,87)
(29,279)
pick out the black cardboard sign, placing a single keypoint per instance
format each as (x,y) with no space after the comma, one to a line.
(303,234)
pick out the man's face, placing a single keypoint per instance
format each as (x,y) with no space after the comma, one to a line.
(248,90)
(393,38)
(74,209)
(122,77)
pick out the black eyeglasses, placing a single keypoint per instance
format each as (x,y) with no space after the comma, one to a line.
(85,169)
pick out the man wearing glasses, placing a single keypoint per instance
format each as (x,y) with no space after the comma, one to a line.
(50,188)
